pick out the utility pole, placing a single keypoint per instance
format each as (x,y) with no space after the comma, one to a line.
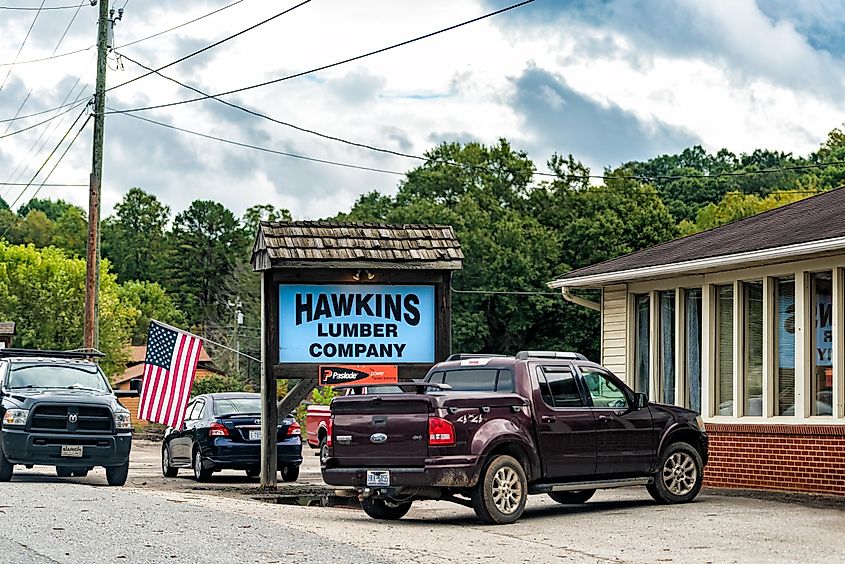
(105,27)
(239,320)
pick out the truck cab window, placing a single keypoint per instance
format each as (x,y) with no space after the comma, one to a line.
(603,391)
(558,387)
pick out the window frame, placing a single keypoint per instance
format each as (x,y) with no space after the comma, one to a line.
(541,379)
(630,395)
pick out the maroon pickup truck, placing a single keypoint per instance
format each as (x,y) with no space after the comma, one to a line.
(485,432)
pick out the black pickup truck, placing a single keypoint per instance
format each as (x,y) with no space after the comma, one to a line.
(58,409)
(486,432)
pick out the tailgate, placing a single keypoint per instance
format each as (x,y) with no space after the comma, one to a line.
(380,431)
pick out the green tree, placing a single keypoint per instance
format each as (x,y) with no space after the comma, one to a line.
(42,291)
(261,212)
(70,231)
(206,243)
(737,206)
(4,206)
(215,384)
(35,228)
(53,209)
(134,237)
(150,301)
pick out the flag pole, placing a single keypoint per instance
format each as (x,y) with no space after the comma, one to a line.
(209,341)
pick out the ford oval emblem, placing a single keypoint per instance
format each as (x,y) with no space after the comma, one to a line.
(378,438)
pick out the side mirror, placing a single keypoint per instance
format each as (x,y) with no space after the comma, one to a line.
(126,393)
(640,400)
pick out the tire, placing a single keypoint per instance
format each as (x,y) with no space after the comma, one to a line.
(679,476)
(324,451)
(500,495)
(200,474)
(80,472)
(290,473)
(572,498)
(253,472)
(64,471)
(6,468)
(116,475)
(385,510)
(167,470)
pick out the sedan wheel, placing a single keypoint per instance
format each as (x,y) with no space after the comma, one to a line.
(200,474)
(167,470)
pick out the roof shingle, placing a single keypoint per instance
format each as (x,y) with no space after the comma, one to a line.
(814,219)
(315,244)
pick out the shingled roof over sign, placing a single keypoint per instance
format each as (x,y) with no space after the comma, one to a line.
(331,244)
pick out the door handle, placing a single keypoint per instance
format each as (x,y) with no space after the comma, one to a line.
(548,419)
(604,418)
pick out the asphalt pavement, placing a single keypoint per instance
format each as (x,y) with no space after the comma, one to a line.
(44,518)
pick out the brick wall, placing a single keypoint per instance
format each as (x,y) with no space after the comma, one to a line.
(803,458)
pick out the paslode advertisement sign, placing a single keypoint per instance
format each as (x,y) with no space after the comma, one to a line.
(336,375)
(356,323)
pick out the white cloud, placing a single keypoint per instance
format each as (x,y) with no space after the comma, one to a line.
(749,81)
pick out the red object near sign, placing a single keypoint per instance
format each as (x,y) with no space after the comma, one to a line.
(339,374)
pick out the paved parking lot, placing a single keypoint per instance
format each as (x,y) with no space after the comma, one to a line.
(49,519)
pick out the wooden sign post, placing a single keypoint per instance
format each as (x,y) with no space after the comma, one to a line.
(345,295)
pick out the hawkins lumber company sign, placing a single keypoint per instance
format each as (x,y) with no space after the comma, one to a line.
(366,324)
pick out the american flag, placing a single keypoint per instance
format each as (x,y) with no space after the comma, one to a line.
(169,370)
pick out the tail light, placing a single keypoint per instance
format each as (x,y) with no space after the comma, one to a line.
(440,432)
(294,430)
(218,430)
(329,429)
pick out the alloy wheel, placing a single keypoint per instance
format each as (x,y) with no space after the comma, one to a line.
(680,473)
(507,490)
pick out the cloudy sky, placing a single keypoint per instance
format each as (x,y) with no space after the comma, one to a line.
(608,81)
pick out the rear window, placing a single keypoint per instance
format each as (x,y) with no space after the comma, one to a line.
(233,406)
(475,380)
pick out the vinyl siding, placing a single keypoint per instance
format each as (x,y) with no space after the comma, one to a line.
(614,325)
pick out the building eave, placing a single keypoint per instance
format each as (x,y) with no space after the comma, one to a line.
(723,262)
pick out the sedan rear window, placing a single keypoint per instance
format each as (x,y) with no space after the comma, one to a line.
(232,406)
(475,380)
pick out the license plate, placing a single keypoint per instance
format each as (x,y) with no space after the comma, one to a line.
(72,451)
(378,478)
(255,435)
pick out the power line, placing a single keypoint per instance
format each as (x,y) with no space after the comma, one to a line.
(19,170)
(324,67)
(35,19)
(213,45)
(274,120)
(505,292)
(72,107)
(33,8)
(42,59)
(44,164)
(464,165)
(180,25)
(265,149)
(48,185)
(61,157)
(56,48)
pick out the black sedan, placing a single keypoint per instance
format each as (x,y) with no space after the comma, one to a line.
(223,431)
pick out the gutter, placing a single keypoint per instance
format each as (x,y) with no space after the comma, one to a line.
(567,295)
(724,262)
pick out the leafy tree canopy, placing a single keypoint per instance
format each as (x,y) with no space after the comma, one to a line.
(53,209)
(42,291)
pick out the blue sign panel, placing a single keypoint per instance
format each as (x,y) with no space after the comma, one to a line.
(362,324)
